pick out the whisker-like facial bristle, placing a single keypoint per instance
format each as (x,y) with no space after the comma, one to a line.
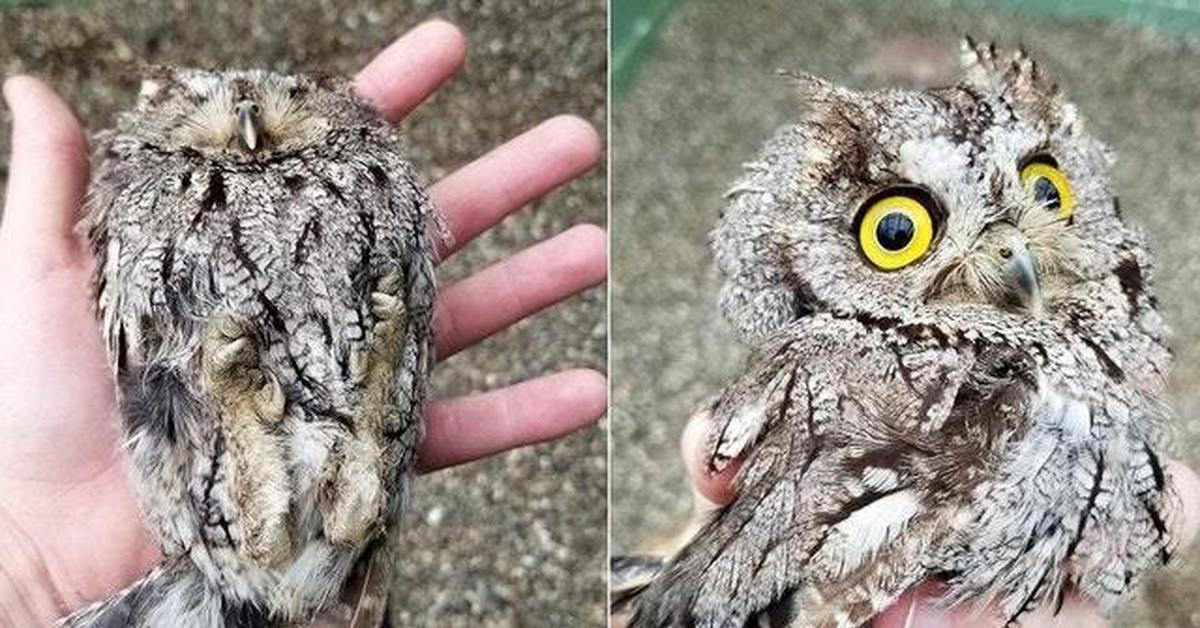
(1052,240)
(201,113)
(288,120)
(976,277)
(210,124)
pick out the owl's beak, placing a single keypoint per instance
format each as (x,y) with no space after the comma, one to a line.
(1020,274)
(249,125)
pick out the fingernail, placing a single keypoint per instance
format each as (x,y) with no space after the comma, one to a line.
(10,83)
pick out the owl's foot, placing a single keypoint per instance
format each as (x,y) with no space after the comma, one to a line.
(353,494)
(387,308)
(251,403)
(232,370)
(375,359)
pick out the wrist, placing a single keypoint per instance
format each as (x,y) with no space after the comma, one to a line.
(28,598)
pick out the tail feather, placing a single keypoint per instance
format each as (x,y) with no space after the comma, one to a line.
(170,595)
(119,609)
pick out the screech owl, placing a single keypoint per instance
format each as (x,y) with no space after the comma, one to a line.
(264,282)
(957,366)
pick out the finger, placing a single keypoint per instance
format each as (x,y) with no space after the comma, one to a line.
(1186,521)
(476,426)
(48,171)
(921,607)
(1076,612)
(411,68)
(717,488)
(517,287)
(915,606)
(523,169)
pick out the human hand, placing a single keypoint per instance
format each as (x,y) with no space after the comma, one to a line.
(70,527)
(918,607)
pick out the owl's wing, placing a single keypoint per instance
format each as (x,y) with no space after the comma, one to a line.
(841,426)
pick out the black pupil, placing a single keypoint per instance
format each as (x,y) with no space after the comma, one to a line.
(1046,194)
(895,231)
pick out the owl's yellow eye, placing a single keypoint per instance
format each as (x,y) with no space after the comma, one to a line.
(1049,187)
(895,231)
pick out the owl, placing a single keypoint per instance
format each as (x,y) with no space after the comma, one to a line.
(957,367)
(264,282)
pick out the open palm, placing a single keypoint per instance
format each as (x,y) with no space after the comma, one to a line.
(70,529)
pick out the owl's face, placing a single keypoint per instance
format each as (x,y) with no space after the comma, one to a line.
(235,115)
(985,194)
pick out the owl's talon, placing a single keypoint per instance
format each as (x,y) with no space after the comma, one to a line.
(389,283)
(385,306)
(228,346)
(235,353)
(229,327)
(270,399)
(359,362)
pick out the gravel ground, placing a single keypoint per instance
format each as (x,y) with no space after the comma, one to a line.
(707,99)
(518,540)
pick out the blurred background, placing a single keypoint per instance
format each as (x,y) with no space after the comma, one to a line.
(696,94)
(518,540)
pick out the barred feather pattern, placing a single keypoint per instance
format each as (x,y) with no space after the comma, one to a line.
(266,305)
(895,426)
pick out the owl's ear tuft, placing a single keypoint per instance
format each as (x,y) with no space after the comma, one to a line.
(819,92)
(149,89)
(976,57)
(989,67)
(1014,76)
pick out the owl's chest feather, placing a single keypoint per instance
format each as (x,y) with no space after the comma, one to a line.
(1076,496)
(294,246)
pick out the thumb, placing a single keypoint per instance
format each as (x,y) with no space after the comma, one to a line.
(48,172)
(716,489)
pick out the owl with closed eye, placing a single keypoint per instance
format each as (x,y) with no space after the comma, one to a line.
(957,367)
(264,282)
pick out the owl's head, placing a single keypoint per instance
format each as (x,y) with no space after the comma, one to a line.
(240,115)
(987,193)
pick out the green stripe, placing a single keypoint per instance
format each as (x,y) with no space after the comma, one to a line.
(635,27)
(16,4)
(636,23)
(1176,16)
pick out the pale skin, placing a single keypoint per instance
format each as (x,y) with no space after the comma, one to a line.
(61,474)
(916,608)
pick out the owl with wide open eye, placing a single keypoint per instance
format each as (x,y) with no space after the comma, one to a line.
(957,369)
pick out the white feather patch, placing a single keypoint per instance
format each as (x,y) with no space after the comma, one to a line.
(934,159)
(869,528)
(1073,416)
